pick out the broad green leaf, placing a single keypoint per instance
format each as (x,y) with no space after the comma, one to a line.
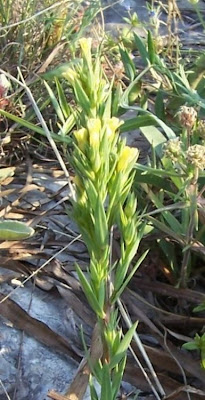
(141,47)
(129,66)
(155,138)
(137,122)
(14,230)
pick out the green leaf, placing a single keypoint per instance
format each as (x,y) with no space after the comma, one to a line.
(124,284)
(101,227)
(14,230)
(33,127)
(190,346)
(117,377)
(164,228)
(106,384)
(155,138)
(174,224)
(151,48)
(61,70)
(55,103)
(129,65)
(137,122)
(199,308)
(123,346)
(93,393)
(62,99)
(68,125)
(82,97)
(159,105)
(141,47)
(89,293)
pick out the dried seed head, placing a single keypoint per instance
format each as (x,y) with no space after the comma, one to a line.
(195,155)
(187,116)
(172,149)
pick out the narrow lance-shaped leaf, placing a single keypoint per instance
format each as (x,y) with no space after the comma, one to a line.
(89,293)
(55,103)
(123,346)
(101,228)
(62,99)
(106,384)
(124,284)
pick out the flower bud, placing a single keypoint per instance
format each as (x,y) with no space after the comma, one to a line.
(129,233)
(131,205)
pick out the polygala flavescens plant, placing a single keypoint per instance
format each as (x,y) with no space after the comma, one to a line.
(104,202)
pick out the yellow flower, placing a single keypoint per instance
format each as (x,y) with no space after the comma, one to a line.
(127,158)
(112,124)
(82,137)
(94,128)
(85,44)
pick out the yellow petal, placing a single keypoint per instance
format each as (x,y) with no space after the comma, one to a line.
(128,157)
(94,128)
(82,137)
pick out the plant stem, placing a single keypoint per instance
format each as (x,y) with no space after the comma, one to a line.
(192,192)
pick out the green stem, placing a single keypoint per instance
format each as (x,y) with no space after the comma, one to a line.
(192,192)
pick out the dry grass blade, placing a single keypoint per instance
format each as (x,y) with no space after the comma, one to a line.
(136,338)
(56,396)
(43,124)
(187,389)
